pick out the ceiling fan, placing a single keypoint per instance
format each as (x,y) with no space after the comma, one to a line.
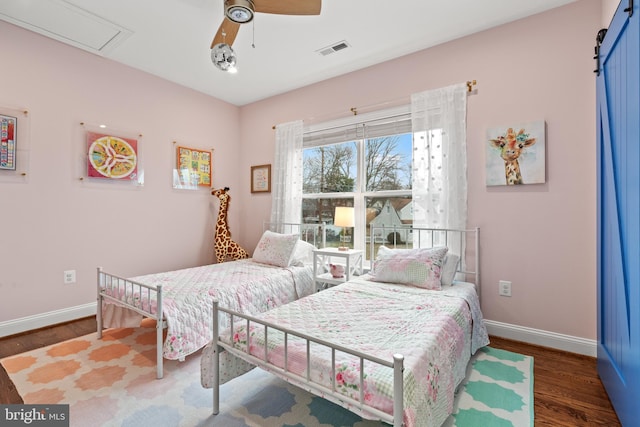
(239,12)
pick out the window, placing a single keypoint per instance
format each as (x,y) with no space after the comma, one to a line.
(406,165)
(366,165)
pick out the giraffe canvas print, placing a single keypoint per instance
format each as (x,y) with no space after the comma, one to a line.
(515,154)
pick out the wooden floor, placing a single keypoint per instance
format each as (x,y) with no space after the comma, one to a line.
(567,389)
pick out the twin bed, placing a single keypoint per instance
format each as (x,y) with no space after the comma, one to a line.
(181,301)
(390,345)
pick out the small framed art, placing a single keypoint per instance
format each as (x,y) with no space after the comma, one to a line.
(8,131)
(194,167)
(261,179)
(111,157)
(14,145)
(515,154)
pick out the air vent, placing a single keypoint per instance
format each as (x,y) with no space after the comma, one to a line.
(333,48)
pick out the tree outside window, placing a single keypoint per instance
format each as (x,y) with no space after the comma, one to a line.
(373,175)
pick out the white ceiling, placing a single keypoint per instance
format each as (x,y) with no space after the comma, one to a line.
(171,38)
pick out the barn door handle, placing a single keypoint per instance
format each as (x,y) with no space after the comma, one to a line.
(630,8)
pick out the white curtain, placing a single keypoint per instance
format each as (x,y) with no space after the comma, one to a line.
(286,202)
(438,121)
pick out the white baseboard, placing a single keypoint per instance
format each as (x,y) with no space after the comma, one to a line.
(543,338)
(29,323)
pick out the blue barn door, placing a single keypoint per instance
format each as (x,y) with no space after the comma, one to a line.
(618,141)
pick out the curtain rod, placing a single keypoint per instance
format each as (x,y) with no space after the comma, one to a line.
(470,88)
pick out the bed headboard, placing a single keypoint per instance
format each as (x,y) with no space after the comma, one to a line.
(316,234)
(463,242)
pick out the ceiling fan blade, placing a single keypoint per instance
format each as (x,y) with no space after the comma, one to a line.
(288,7)
(226,33)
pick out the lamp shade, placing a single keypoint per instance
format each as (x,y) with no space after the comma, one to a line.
(344,217)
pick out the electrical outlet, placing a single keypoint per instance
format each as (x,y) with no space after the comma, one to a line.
(504,288)
(69,277)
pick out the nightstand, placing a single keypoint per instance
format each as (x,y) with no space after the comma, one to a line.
(351,260)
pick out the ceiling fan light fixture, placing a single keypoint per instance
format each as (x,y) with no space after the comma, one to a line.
(240,11)
(224,58)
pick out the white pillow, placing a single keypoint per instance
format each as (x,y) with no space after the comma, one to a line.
(302,254)
(417,267)
(449,269)
(275,248)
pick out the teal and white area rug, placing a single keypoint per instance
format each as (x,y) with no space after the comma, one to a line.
(497,392)
(112,382)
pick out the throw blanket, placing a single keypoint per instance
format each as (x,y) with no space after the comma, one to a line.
(244,285)
(435,331)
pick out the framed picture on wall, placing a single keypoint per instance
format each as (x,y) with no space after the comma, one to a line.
(8,130)
(515,154)
(261,179)
(194,167)
(111,157)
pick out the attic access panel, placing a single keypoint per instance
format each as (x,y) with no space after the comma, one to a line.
(64,22)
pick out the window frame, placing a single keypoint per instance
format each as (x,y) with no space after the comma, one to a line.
(359,196)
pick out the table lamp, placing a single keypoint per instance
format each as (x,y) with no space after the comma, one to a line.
(344,217)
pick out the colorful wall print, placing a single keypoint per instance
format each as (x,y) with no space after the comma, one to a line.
(516,154)
(112,157)
(8,129)
(194,167)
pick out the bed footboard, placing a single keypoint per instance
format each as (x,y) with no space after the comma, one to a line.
(305,382)
(143,299)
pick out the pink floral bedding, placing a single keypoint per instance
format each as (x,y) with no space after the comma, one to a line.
(244,285)
(435,331)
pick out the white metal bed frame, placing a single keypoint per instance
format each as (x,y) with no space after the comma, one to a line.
(305,382)
(396,419)
(107,282)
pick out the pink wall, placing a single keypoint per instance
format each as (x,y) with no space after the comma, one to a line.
(54,222)
(608,10)
(540,237)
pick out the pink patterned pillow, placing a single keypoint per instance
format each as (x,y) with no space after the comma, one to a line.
(275,248)
(420,267)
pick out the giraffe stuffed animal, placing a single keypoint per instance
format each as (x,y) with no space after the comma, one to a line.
(511,146)
(225,246)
